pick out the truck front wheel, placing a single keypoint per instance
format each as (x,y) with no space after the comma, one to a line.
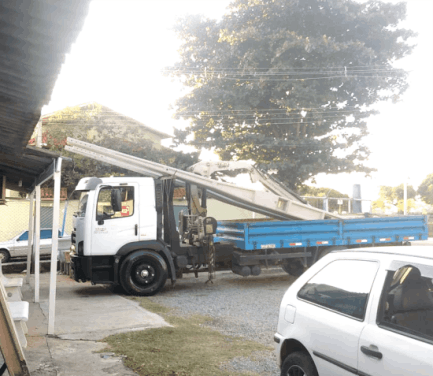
(143,273)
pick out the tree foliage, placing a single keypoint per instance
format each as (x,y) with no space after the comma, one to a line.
(290,83)
(389,196)
(425,190)
(96,125)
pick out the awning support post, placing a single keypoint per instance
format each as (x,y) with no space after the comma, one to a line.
(55,247)
(31,232)
(37,240)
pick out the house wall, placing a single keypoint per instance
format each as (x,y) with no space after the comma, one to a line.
(15,216)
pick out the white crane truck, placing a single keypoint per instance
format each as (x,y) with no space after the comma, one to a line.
(125,231)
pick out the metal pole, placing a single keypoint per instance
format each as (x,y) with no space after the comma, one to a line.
(31,232)
(405,197)
(55,247)
(37,240)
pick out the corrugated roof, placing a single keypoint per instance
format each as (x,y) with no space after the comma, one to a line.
(34,38)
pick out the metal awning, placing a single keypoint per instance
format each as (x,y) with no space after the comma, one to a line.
(34,39)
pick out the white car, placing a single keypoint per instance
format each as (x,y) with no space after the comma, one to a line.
(362,312)
(18,246)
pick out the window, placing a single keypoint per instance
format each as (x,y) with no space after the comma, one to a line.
(83,204)
(407,301)
(105,203)
(343,286)
(46,234)
(24,236)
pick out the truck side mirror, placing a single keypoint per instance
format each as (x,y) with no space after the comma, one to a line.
(116,200)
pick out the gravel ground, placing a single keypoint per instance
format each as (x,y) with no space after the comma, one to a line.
(241,307)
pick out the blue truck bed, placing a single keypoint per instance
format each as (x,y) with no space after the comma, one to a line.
(292,234)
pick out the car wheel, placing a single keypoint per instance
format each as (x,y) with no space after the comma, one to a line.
(143,273)
(4,255)
(298,364)
(294,268)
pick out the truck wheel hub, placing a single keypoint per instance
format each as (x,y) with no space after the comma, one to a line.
(144,274)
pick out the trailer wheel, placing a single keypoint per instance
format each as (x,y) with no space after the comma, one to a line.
(294,268)
(143,273)
(5,256)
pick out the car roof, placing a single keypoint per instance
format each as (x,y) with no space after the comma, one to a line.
(424,251)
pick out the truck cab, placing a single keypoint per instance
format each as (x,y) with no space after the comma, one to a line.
(117,218)
(103,225)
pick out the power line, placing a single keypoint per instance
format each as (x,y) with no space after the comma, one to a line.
(299,79)
(288,115)
(322,109)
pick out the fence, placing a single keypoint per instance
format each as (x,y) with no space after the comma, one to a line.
(14,216)
(337,204)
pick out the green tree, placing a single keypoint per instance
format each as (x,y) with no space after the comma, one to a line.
(290,83)
(425,190)
(389,196)
(91,125)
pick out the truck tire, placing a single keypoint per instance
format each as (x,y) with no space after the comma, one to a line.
(143,273)
(294,267)
(5,256)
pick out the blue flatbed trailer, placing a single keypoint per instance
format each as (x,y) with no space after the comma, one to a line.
(256,235)
(294,245)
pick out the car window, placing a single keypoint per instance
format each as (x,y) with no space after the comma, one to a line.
(46,234)
(24,236)
(105,209)
(343,286)
(407,302)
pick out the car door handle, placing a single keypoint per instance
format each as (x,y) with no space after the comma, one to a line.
(136,230)
(370,352)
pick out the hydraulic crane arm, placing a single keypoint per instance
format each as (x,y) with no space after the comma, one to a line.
(209,168)
(266,203)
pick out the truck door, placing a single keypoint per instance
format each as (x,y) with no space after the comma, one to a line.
(113,228)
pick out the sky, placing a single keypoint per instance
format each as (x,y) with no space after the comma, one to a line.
(124,44)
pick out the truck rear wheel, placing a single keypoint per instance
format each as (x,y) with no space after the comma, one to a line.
(143,273)
(293,267)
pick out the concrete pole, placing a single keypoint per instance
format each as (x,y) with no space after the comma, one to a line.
(31,232)
(39,134)
(357,203)
(37,240)
(55,247)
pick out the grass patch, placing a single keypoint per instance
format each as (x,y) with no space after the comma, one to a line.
(186,349)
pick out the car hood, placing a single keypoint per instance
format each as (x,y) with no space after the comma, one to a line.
(6,244)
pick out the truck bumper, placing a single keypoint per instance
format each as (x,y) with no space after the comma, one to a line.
(79,267)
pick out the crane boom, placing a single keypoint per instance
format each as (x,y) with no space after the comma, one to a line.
(256,175)
(266,203)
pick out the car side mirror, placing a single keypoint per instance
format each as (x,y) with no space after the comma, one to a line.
(116,200)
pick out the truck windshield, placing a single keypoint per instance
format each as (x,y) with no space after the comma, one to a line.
(83,204)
